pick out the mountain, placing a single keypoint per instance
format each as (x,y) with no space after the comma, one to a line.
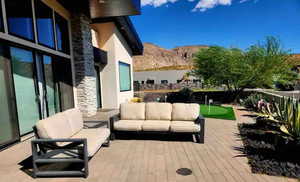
(158,58)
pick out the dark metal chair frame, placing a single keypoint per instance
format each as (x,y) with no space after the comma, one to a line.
(199,135)
(43,151)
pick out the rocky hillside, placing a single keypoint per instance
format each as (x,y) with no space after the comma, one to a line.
(157,58)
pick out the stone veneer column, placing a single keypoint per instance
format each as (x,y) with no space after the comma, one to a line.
(85,78)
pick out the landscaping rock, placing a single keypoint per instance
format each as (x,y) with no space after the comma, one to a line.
(268,153)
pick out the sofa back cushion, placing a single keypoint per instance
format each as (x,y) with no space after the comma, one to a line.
(75,119)
(158,111)
(132,111)
(56,126)
(185,112)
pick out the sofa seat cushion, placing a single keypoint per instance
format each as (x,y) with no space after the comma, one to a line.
(158,111)
(184,127)
(54,127)
(156,125)
(185,112)
(128,125)
(75,119)
(132,111)
(95,138)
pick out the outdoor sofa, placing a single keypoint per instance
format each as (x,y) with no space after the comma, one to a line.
(63,138)
(159,118)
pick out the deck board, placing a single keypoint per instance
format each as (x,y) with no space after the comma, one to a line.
(157,160)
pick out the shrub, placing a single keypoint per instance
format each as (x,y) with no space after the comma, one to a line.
(185,95)
(252,101)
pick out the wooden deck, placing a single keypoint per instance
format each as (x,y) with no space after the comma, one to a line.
(157,160)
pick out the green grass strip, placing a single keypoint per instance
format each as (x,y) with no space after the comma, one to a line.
(218,112)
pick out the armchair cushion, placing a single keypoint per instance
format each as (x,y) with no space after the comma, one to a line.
(184,127)
(128,125)
(132,111)
(185,112)
(95,138)
(56,126)
(158,111)
(74,117)
(156,125)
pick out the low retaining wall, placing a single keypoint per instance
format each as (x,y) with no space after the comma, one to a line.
(222,97)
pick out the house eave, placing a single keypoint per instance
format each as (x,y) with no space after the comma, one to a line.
(127,30)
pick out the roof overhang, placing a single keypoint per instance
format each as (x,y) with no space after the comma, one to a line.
(113,8)
(128,31)
(104,8)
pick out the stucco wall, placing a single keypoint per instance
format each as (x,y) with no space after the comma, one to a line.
(123,53)
(110,40)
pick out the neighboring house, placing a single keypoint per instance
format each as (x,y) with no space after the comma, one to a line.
(60,54)
(163,77)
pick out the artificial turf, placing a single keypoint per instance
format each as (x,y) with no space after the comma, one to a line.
(218,112)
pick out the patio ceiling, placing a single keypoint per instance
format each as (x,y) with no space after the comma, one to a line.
(104,8)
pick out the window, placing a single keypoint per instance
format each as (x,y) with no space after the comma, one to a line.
(164,81)
(44,24)
(98,87)
(19,18)
(150,82)
(62,34)
(196,81)
(125,76)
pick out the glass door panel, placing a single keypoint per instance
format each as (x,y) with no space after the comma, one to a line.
(64,82)
(40,80)
(26,97)
(50,86)
(49,97)
(8,125)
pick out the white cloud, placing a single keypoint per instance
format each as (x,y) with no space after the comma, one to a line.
(202,5)
(156,3)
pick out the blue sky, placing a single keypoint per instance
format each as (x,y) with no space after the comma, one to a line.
(229,23)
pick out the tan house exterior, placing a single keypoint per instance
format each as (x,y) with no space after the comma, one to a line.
(66,54)
(107,37)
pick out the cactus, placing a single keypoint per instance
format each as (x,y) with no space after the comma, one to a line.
(288,111)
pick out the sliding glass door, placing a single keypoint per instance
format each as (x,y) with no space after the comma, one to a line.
(49,96)
(25,89)
(33,85)
(8,123)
